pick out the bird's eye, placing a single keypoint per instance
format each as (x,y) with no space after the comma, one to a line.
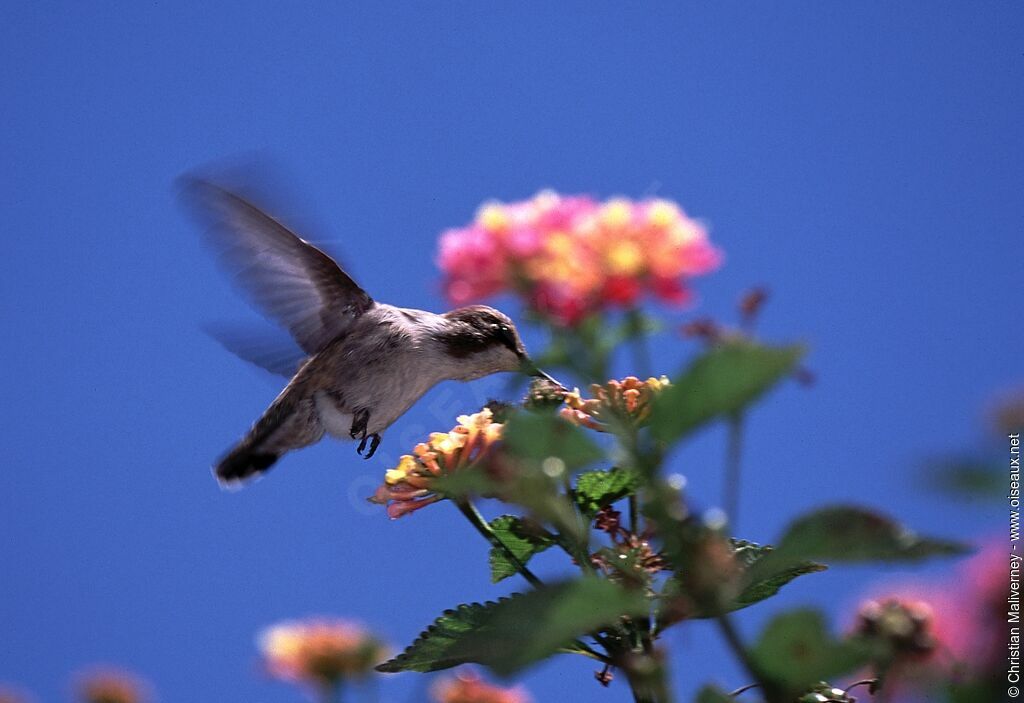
(507,337)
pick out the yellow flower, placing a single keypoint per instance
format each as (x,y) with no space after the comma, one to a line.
(616,213)
(625,258)
(405,466)
(663,213)
(407,487)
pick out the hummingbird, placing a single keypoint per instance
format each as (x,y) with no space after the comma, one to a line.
(366,362)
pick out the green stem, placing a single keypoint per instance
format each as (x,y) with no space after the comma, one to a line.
(742,654)
(469,510)
(641,352)
(647,681)
(332,693)
(733,469)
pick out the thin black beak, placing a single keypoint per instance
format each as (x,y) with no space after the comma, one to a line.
(531,369)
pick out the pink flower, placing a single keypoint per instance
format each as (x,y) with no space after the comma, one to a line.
(569,256)
(469,688)
(955,627)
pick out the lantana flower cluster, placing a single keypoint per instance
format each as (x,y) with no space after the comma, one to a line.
(937,629)
(470,688)
(410,485)
(320,653)
(629,398)
(111,686)
(568,256)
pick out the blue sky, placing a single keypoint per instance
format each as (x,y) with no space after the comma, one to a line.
(863,160)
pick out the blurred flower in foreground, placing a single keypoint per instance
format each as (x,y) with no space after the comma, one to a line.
(905,624)
(407,487)
(112,686)
(468,688)
(320,653)
(9,695)
(571,255)
(937,630)
(1008,412)
(629,398)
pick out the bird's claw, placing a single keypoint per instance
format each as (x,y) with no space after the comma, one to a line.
(374,443)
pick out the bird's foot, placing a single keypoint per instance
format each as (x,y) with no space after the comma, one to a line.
(374,443)
(359,422)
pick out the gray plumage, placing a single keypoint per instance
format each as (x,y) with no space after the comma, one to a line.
(368,362)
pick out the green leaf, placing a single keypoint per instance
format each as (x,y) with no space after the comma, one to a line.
(435,648)
(527,627)
(847,533)
(723,381)
(597,489)
(796,650)
(713,694)
(522,539)
(764,583)
(753,585)
(550,441)
(966,477)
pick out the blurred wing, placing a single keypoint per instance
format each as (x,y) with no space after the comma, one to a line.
(287,277)
(271,352)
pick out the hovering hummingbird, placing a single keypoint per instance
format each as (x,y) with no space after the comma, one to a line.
(368,362)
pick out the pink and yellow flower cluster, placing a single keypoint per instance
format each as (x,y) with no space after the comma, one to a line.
(629,398)
(320,652)
(572,255)
(408,486)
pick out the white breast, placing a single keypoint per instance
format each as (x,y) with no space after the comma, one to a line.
(335,422)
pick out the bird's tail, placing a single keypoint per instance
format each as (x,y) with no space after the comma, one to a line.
(243,463)
(261,447)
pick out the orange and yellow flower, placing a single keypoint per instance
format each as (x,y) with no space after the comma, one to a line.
(629,398)
(469,688)
(572,255)
(319,652)
(409,486)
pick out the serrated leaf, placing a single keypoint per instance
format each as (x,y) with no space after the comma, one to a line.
(527,627)
(435,648)
(539,436)
(520,539)
(847,533)
(723,381)
(597,489)
(796,650)
(753,585)
(763,583)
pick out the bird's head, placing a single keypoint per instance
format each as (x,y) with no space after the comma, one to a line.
(486,341)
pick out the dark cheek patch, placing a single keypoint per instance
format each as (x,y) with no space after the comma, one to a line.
(465,344)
